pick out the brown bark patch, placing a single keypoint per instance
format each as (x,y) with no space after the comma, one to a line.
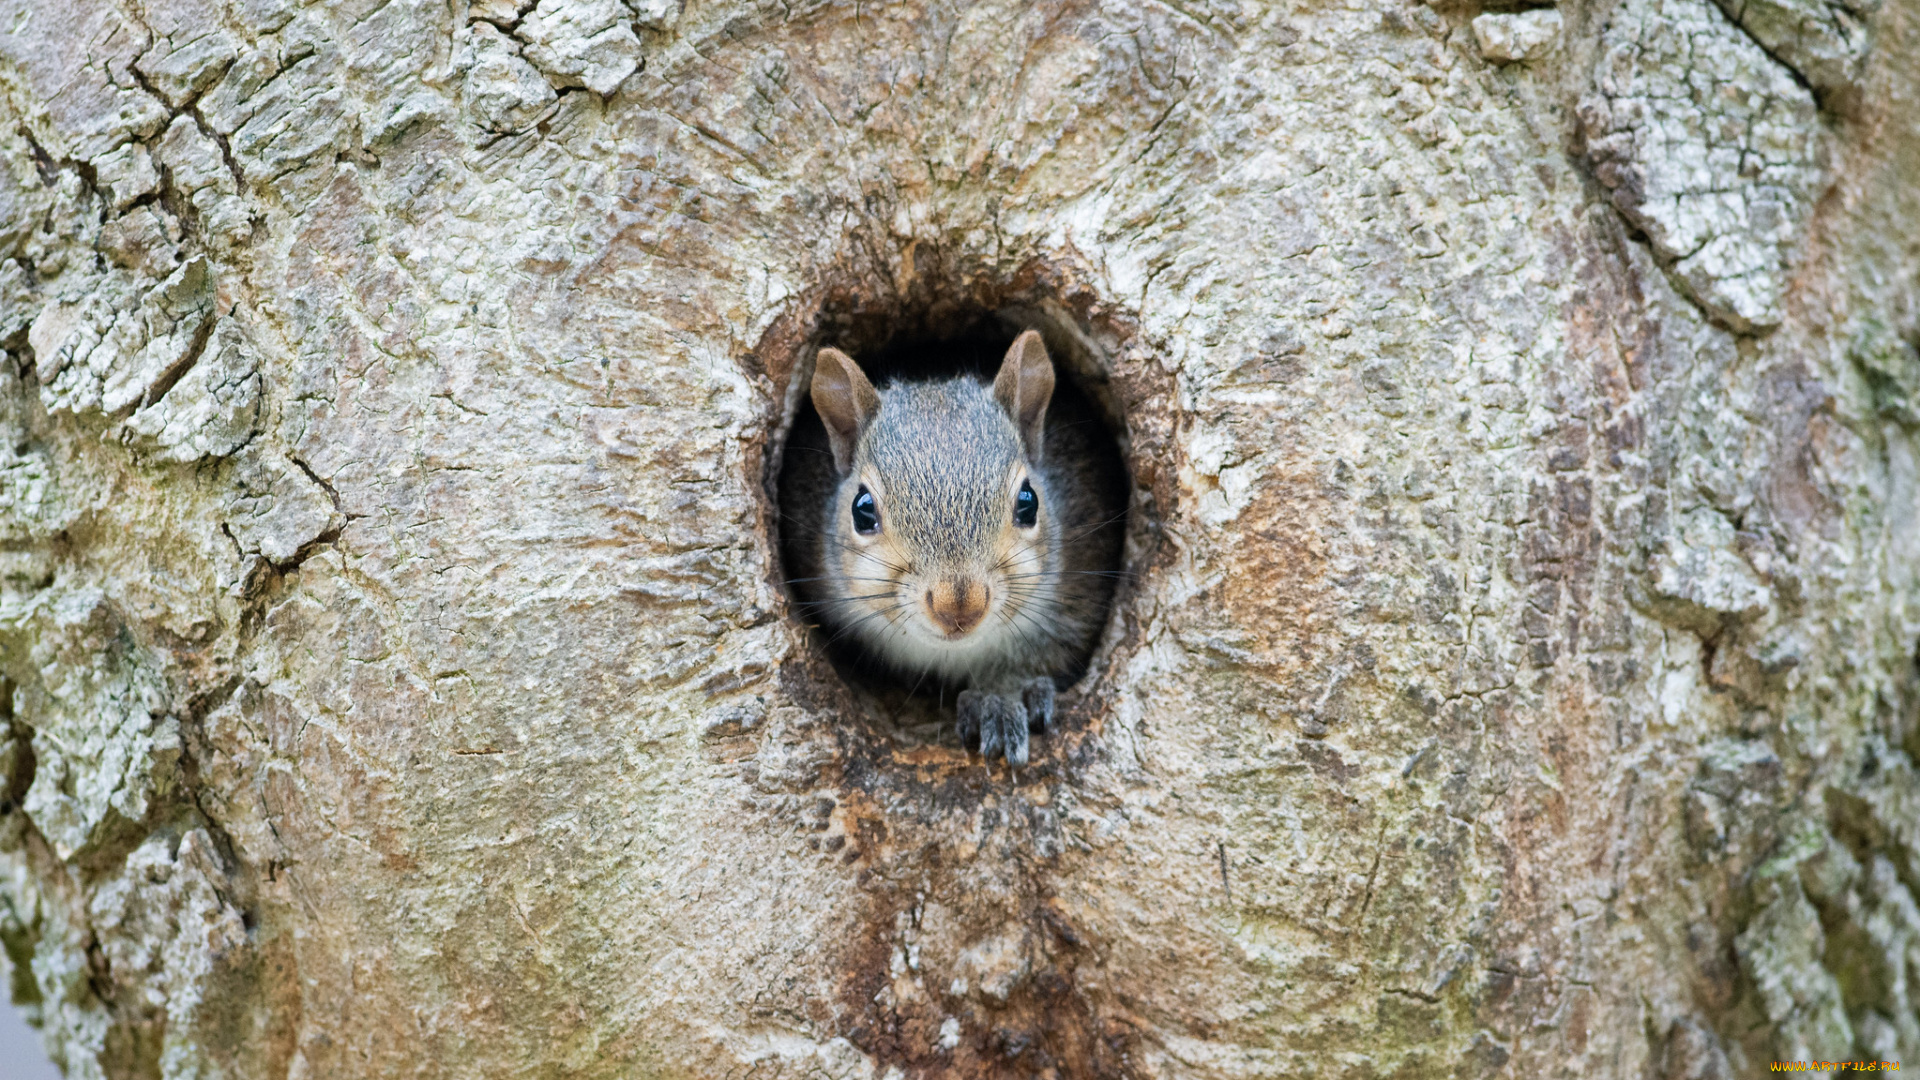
(1273,591)
(978,990)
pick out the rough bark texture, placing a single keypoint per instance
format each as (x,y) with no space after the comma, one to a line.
(1517,677)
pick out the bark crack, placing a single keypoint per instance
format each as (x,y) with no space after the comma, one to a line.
(179,368)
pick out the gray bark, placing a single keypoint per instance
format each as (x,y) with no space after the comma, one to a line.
(1517,678)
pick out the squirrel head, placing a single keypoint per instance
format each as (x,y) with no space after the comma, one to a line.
(940,544)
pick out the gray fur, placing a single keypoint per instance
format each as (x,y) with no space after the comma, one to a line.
(944,449)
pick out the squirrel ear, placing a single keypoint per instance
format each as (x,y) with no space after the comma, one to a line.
(846,402)
(1024,386)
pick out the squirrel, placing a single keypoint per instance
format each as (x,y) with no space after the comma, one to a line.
(960,532)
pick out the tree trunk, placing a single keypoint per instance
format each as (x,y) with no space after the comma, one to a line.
(1515,673)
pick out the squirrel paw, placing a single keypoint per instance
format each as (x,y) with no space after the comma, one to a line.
(1037,696)
(996,725)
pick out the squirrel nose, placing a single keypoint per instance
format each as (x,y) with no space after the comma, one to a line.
(957,605)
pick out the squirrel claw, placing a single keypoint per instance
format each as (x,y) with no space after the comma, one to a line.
(1037,696)
(999,725)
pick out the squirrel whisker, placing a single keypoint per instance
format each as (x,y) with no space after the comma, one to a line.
(845,599)
(864,620)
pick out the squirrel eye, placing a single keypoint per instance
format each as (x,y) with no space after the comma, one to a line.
(1026,506)
(866,513)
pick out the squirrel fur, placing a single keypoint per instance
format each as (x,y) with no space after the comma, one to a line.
(960,532)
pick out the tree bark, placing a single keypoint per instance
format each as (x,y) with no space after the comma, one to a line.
(1516,673)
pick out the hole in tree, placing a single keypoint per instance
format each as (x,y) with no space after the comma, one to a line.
(1057,619)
